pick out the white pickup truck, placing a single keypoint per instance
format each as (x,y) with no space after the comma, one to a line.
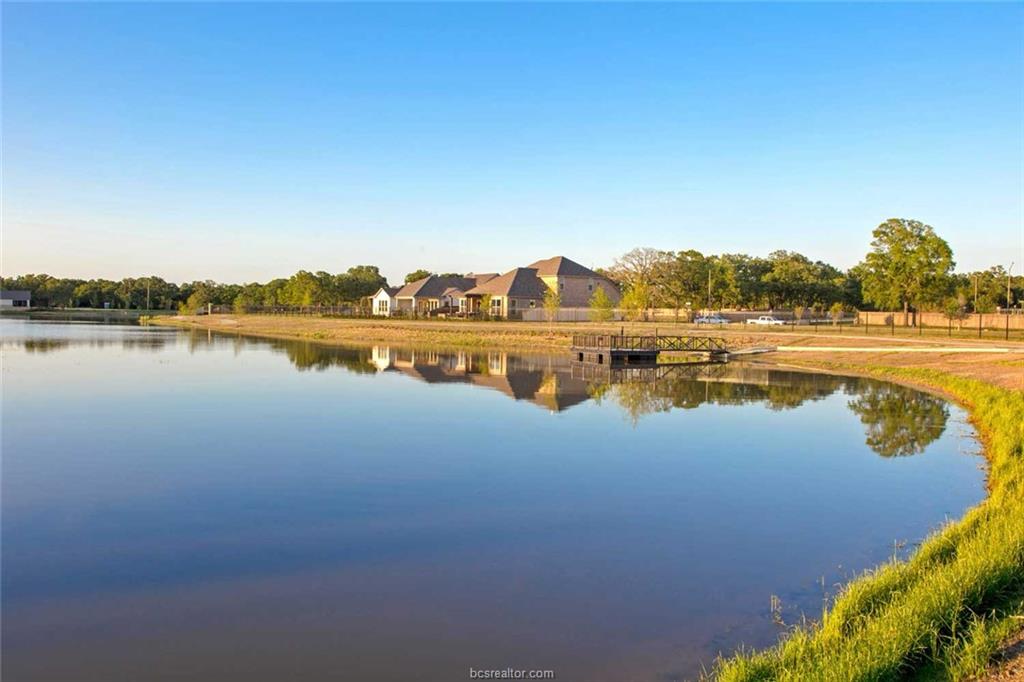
(765,319)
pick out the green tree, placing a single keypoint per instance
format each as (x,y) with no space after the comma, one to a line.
(552,303)
(908,265)
(955,309)
(197,301)
(745,280)
(272,293)
(601,309)
(637,300)
(682,279)
(639,267)
(251,296)
(359,282)
(836,312)
(302,289)
(985,290)
(417,275)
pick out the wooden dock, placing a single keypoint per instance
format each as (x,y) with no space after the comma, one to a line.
(633,349)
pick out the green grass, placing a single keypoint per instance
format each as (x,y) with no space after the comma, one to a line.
(941,614)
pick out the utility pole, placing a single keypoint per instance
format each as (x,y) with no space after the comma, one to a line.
(975,293)
(1008,270)
(709,288)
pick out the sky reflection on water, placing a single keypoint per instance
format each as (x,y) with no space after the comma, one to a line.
(189,505)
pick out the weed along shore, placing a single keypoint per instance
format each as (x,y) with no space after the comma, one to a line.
(945,610)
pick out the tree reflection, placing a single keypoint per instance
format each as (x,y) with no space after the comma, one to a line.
(306,356)
(45,345)
(683,387)
(900,421)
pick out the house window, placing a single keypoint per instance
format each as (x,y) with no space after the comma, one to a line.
(495,305)
(512,303)
(533,304)
(590,287)
(561,285)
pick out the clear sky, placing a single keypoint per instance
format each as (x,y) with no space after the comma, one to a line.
(242,142)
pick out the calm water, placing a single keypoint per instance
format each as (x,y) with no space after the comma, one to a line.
(184,506)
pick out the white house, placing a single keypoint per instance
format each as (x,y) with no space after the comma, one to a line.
(430,295)
(383,302)
(15,299)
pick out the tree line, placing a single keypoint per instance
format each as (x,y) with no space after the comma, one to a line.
(908,267)
(154,293)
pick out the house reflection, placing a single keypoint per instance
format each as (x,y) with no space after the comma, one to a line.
(897,420)
(545,381)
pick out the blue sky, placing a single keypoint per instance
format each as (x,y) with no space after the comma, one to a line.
(246,141)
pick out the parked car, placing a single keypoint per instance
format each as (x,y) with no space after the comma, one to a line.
(765,319)
(711,319)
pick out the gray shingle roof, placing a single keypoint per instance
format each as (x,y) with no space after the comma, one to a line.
(560,265)
(521,283)
(15,293)
(435,286)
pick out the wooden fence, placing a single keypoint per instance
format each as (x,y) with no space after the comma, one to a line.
(985,321)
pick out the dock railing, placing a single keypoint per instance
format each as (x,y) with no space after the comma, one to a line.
(648,343)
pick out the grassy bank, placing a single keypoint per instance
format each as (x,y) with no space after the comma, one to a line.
(943,613)
(527,335)
(419,333)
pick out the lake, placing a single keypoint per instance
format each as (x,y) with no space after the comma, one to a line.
(182,505)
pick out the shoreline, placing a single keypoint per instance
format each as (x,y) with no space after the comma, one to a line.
(977,359)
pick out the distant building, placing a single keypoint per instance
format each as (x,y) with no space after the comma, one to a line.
(383,302)
(431,295)
(574,283)
(507,295)
(15,299)
(523,289)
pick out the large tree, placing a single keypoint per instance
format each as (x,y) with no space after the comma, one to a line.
(417,275)
(908,265)
(682,279)
(639,267)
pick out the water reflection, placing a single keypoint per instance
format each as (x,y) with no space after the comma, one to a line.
(386,513)
(898,420)
(44,345)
